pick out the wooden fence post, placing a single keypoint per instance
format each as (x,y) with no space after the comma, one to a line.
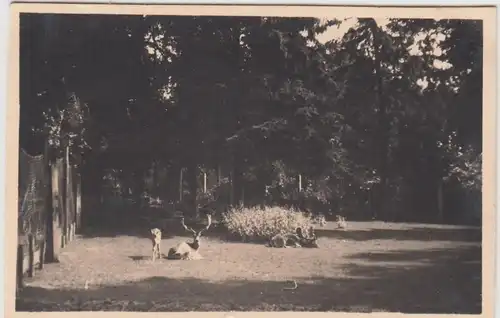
(49,246)
(19,267)
(31,255)
(41,259)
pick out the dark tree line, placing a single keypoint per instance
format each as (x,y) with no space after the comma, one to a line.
(372,128)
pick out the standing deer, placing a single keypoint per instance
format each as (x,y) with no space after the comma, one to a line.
(156,240)
(189,250)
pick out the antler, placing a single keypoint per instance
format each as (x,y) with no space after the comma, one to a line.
(209,217)
(299,232)
(311,232)
(187,228)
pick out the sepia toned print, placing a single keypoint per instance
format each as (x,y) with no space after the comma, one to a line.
(201,163)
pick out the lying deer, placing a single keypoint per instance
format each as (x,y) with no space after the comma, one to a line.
(284,240)
(295,240)
(341,222)
(310,241)
(189,250)
(321,220)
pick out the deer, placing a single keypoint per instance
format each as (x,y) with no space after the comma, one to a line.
(341,222)
(295,240)
(156,240)
(189,250)
(284,241)
(321,220)
(310,241)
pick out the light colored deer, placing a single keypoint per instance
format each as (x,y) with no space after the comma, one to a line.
(321,220)
(296,239)
(341,222)
(284,241)
(156,240)
(189,250)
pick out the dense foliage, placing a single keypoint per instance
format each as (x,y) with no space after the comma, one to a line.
(383,122)
(254,224)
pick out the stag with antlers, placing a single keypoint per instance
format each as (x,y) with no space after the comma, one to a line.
(189,250)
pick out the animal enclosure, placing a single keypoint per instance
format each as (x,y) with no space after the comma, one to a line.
(375,266)
(218,163)
(49,211)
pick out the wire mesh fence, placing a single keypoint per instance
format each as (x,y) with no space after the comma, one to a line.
(32,194)
(48,210)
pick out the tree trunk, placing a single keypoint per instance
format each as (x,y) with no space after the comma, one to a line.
(181,184)
(191,177)
(68,209)
(204,182)
(64,195)
(138,186)
(231,188)
(50,255)
(78,202)
(383,133)
(237,180)
(440,201)
(154,178)
(91,179)
(219,174)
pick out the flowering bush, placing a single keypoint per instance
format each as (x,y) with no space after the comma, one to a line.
(260,224)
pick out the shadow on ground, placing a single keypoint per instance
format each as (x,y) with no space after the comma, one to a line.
(449,282)
(472,254)
(409,234)
(138,227)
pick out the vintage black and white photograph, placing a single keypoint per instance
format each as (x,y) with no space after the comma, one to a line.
(200,163)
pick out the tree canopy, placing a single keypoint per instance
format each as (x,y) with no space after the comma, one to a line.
(378,122)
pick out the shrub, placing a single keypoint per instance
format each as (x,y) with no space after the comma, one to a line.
(259,224)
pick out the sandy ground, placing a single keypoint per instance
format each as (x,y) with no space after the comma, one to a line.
(371,266)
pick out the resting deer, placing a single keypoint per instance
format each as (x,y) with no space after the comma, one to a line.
(189,250)
(321,220)
(296,240)
(284,241)
(310,241)
(156,240)
(341,222)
